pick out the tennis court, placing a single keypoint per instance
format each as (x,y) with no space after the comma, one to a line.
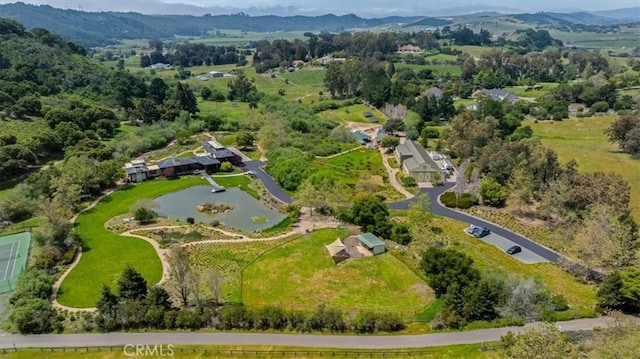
(14,250)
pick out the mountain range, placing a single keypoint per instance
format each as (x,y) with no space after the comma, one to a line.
(100,28)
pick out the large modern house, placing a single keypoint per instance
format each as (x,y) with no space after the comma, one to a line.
(139,170)
(415,161)
(220,152)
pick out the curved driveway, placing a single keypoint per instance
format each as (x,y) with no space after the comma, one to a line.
(439,209)
(256,168)
(276,192)
(288,340)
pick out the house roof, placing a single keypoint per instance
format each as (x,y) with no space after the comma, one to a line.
(174,162)
(207,161)
(370,240)
(418,159)
(497,94)
(216,150)
(433,92)
(137,169)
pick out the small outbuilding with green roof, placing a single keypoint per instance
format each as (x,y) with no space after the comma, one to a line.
(373,243)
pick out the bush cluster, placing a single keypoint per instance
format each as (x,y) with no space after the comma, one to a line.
(322,319)
(466,200)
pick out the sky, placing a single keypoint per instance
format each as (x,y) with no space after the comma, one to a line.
(365,8)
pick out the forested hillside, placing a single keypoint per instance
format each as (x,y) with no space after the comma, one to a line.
(94,29)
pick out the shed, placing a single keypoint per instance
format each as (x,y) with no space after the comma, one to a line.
(373,243)
(216,74)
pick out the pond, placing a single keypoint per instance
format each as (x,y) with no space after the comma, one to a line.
(248,214)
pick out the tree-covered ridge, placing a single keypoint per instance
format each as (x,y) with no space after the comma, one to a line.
(108,27)
(41,63)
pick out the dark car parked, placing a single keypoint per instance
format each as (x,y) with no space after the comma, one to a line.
(478,232)
(513,250)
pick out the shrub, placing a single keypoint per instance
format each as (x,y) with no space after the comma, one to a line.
(466,200)
(600,106)
(68,256)
(400,233)
(559,303)
(144,215)
(226,167)
(408,181)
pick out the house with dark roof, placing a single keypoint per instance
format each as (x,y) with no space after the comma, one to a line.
(216,150)
(416,162)
(433,92)
(138,170)
(496,94)
(178,166)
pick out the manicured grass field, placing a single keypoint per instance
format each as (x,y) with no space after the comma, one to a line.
(354,113)
(229,259)
(362,163)
(492,259)
(305,77)
(105,254)
(467,351)
(584,141)
(439,70)
(301,274)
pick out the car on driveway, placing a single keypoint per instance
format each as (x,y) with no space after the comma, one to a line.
(513,250)
(478,232)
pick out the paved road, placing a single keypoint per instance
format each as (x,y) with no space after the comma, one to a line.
(439,209)
(256,168)
(293,340)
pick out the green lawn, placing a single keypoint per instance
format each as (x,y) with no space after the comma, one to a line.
(362,163)
(229,259)
(105,254)
(440,70)
(584,141)
(301,274)
(354,113)
(305,77)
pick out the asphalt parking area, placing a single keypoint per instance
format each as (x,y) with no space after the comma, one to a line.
(526,256)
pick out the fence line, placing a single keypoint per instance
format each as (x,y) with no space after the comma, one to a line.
(246,352)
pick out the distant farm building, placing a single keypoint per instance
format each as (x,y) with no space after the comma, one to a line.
(328,59)
(160,66)
(496,94)
(415,161)
(215,74)
(409,49)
